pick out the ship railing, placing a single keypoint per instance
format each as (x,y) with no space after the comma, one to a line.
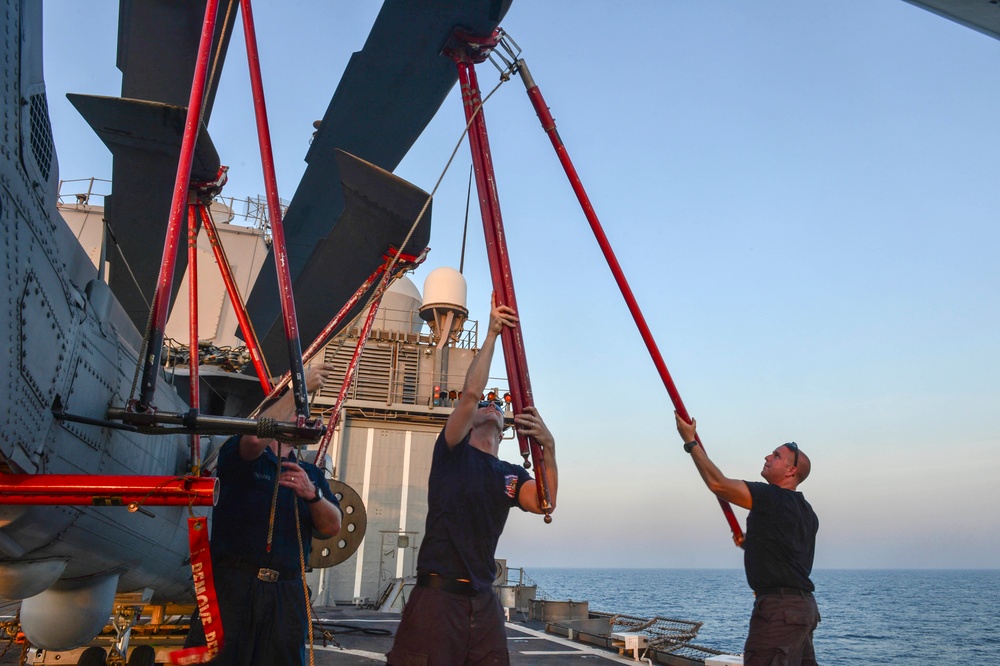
(519,577)
(83,191)
(253,211)
(665,635)
(247,211)
(657,627)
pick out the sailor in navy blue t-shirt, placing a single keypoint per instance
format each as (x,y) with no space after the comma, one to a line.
(258,581)
(779,547)
(453,617)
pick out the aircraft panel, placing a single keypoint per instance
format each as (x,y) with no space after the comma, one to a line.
(980,15)
(157,50)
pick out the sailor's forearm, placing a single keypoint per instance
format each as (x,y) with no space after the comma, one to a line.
(326,518)
(479,370)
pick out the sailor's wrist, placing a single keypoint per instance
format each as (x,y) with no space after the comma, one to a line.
(317,496)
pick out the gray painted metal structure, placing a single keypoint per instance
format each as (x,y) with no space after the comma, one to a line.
(980,15)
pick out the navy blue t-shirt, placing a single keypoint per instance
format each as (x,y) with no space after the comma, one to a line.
(469,495)
(240,519)
(781,538)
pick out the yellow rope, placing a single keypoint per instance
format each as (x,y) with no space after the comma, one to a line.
(274,503)
(310,611)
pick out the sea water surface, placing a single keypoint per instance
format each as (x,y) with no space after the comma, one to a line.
(897,616)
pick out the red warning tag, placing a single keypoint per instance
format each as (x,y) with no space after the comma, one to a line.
(204,590)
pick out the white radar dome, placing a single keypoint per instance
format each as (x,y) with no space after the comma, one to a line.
(444,288)
(400,307)
(444,303)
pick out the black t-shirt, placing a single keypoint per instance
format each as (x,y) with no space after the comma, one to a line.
(240,520)
(780,539)
(469,495)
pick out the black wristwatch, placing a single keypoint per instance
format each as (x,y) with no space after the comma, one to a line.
(318,497)
(690,445)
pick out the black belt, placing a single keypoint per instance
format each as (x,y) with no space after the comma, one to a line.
(792,591)
(262,573)
(436,582)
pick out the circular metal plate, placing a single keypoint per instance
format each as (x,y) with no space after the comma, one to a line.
(336,549)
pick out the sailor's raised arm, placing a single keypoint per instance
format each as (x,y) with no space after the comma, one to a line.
(283,409)
(460,421)
(731,490)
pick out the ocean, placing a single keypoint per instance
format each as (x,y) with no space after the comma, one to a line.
(895,617)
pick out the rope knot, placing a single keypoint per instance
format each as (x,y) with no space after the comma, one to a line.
(266,428)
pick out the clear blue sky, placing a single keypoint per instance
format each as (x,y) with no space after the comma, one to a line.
(804,198)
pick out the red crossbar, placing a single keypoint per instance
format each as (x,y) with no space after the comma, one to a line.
(108,490)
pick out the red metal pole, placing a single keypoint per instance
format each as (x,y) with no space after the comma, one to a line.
(274,211)
(503,283)
(101,490)
(549,125)
(194,351)
(164,287)
(366,330)
(324,335)
(327,332)
(253,345)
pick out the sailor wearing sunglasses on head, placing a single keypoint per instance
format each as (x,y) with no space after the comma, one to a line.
(453,616)
(778,549)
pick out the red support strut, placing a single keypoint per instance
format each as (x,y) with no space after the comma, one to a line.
(549,125)
(194,349)
(249,334)
(274,211)
(164,286)
(404,262)
(349,373)
(465,51)
(101,490)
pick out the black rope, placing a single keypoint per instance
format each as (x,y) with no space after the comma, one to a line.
(331,628)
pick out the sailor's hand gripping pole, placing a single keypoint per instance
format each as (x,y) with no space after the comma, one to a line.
(549,125)
(466,50)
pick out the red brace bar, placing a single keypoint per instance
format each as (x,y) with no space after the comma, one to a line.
(465,51)
(101,490)
(349,373)
(404,262)
(274,211)
(182,182)
(549,125)
(249,334)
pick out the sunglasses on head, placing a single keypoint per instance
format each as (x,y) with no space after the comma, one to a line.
(794,448)
(496,404)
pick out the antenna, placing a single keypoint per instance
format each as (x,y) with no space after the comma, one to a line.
(465,229)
